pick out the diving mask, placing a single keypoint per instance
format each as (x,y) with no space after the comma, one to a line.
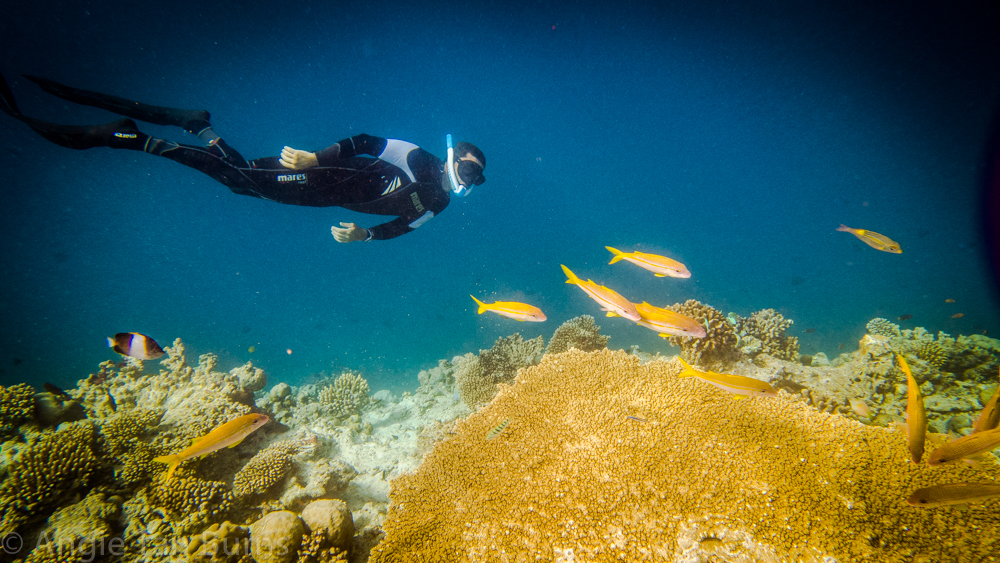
(466,169)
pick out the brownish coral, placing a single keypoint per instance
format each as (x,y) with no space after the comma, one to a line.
(763,332)
(477,377)
(347,395)
(581,333)
(265,470)
(197,501)
(719,347)
(219,543)
(697,476)
(17,404)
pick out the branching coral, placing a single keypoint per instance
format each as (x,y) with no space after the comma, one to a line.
(882,327)
(581,333)
(264,470)
(476,377)
(573,478)
(347,395)
(197,501)
(16,407)
(720,346)
(766,330)
(932,353)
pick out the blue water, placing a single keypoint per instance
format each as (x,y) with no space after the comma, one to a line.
(733,138)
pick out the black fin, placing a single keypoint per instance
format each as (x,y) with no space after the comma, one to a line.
(7,102)
(191,120)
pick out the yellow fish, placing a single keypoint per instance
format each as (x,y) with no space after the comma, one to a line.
(990,417)
(953,493)
(661,266)
(873,239)
(667,322)
(738,385)
(966,446)
(916,418)
(513,310)
(225,436)
(496,430)
(610,301)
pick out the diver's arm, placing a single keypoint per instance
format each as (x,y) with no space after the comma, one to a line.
(358,144)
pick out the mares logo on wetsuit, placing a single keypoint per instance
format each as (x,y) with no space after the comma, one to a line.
(416,202)
(291,177)
(125,135)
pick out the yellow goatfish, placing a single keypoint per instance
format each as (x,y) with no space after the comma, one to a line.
(225,436)
(610,301)
(916,418)
(667,322)
(990,417)
(953,493)
(512,309)
(738,385)
(659,265)
(966,446)
(873,239)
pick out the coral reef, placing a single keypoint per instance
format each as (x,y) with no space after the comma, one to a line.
(573,478)
(192,502)
(17,405)
(581,333)
(719,347)
(347,395)
(477,377)
(265,470)
(332,521)
(219,543)
(276,537)
(882,327)
(933,353)
(763,332)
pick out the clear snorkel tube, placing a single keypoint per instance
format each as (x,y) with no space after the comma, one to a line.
(456,187)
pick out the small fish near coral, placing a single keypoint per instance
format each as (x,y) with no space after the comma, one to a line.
(965,447)
(661,266)
(669,323)
(496,430)
(953,493)
(904,317)
(227,435)
(958,315)
(740,386)
(916,418)
(949,300)
(610,301)
(512,310)
(873,239)
(138,346)
(989,418)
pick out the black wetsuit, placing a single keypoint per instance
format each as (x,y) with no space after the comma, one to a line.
(396,178)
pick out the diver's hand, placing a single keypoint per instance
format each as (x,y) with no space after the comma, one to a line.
(349,233)
(297,160)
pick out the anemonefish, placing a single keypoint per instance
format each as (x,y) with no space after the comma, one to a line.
(139,346)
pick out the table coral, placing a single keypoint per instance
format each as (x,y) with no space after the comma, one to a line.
(695,476)
(17,404)
(347,395)
(581,333)
(265,470)
(719,347)
(477,377)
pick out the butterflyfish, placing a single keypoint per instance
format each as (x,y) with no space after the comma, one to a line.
(873,239)
(964,447)
(512,310)
(953,493)
(916,418)
(139,346)
(227,435)
(990,417)
(496,430)
(609,300)
(661,266)
(668,323)
(738,385)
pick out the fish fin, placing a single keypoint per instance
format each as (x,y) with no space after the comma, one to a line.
(660,275)
(569,274)
(618,254)
(737,397)
(7,102)
(844,228)
(172,462)
(664,335)
(482,306)
(111,342)
(974,461)
(611,314)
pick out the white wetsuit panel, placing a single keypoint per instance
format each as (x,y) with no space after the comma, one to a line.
(396,152)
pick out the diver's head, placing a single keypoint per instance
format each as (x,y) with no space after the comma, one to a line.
(464,168)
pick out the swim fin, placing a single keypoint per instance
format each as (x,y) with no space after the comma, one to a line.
(7,102)
(192,121)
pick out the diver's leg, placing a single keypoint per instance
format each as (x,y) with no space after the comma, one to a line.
(194,121)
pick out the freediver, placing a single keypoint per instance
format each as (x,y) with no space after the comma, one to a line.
(396,178)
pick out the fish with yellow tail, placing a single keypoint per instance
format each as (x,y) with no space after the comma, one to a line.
(990,417)
(873,239)
(227,435)
(965,447)
(609,300)
(512,310)
(668,323)
(916,418)
(661,266)
(953,493)
(740,386)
